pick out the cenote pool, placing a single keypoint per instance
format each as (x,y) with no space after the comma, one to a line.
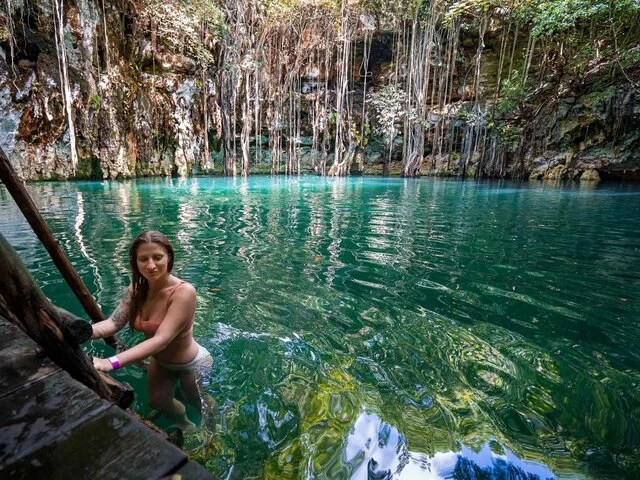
(384,328)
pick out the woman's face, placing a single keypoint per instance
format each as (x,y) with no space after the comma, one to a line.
(152,260)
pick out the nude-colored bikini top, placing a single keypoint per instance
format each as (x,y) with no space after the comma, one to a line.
(149,327)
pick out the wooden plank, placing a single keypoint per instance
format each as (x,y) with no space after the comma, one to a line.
(109,446)
(42,413)
(21,360)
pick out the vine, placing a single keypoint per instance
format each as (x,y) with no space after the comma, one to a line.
(65,87)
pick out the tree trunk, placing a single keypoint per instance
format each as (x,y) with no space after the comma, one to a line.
(30,211)
(57,331)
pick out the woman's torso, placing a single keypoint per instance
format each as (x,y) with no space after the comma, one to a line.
(183,348)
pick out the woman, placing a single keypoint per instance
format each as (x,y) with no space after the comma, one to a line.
(162,307)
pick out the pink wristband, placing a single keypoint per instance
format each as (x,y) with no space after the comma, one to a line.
(115,363)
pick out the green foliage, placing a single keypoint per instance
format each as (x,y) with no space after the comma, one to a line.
(284,10)
(598,95)
(5,35)
(279,9)
(629,57)
(463,113)
(395,10)
(510,135)
(180,24)
(589,30)
(96,102)
(550,18)
(512,93)
(471,8)
(363,140)
(6,26)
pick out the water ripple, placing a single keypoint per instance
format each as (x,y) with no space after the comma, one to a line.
(379,328)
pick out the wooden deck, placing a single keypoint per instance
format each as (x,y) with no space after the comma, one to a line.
(53,427)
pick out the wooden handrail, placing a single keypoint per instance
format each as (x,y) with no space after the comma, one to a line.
(22,198)
(58,332)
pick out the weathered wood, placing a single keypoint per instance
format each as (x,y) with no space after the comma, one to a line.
(22,198)
(126,450)
(21,360)
(120,448)
(79,330)
(43,413)
(122,394)
(24,304)
(47,426)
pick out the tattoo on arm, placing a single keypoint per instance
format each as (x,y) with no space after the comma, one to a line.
(120,316)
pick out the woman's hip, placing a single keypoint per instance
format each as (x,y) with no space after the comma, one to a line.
(202,361)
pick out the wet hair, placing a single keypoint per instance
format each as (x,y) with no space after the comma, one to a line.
(139,284)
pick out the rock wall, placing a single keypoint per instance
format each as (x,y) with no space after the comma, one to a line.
(128,122)
(590,136)
(139,109)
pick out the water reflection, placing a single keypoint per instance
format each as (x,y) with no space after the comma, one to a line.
(336,224)
(465,315)
(127,205)
(83,248)
(376,450)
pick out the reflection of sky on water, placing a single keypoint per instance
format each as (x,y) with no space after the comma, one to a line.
(377,451)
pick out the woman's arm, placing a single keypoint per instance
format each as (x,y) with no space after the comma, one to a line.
(116,322)
(179,314)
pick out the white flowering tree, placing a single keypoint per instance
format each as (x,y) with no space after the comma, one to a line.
(390,110)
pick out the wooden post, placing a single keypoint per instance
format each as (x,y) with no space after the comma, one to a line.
(22,198)
(56,331)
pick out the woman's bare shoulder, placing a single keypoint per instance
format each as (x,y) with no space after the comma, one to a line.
(185,290)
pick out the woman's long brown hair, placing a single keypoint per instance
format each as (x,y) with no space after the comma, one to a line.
(139,284)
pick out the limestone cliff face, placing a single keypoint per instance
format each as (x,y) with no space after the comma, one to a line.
(127,122)
(139,109)
(589,136)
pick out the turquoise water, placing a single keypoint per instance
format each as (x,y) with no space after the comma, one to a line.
(384,328)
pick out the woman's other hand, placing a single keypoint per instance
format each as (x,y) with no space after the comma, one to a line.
(102,364)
